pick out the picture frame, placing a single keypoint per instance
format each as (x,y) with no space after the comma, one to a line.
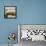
(10,12)
(31,32)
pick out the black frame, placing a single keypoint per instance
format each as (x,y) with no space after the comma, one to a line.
(15,13)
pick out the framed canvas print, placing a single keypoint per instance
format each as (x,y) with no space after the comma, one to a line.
(10,12)
(32,32)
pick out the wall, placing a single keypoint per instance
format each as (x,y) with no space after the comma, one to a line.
(28,12)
